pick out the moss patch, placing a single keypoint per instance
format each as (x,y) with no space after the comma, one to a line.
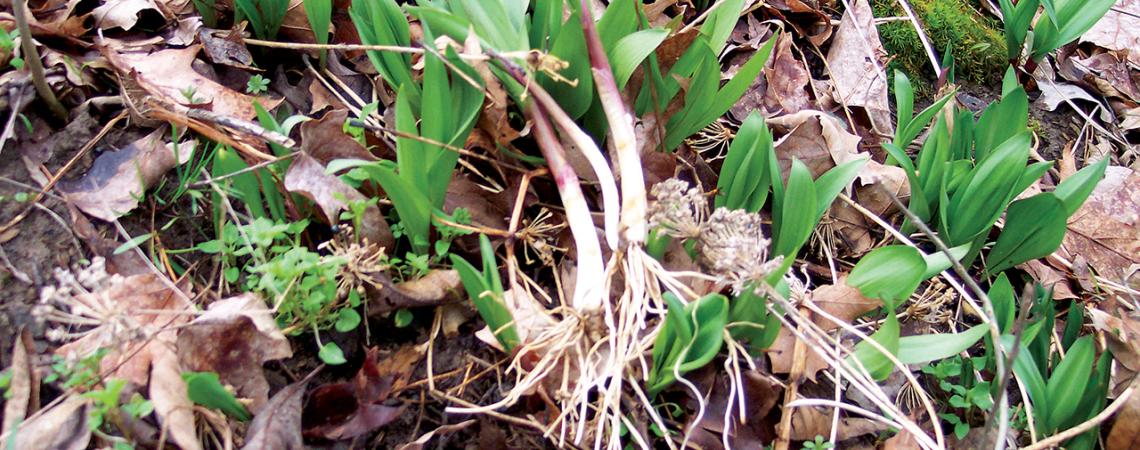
(975,40)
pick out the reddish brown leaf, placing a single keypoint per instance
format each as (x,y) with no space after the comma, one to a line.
(234,338)
(1106,229)
(278,425)
(307,176)
(840,300)
(23,393)
(347,410)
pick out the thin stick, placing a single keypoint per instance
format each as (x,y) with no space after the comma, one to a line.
(32,58)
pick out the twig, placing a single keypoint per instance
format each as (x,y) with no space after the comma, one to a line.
(1001,360)
(32,58)
(243,126)
(16,94)
(1056,439)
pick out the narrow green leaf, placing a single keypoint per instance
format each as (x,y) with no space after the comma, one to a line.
(131,244)
(890,273)
(876,363)
(1034,228)
(799,211)
(1068,381)
(1073,191)
(631,50)
(205,389)
(925,348)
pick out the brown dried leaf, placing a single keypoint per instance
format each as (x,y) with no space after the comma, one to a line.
(24,386)
(166,74)
(118,179)
(1119,29)
(1106,229)
(816,138)
(855,61)
(63,427)
(433,289)
(234,338)
(1050,278)
(172,405)
(809,422)
(761,393)
(1125,431)
(124,14)
(324,139)
(225,48)
(278,425)
(787,79)
(840,300)
(904,440)
(307,176)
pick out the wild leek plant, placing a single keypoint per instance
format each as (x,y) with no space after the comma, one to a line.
(265,16)
(319,13)
(486,290)
(1063,22)
(691,337)
(431,126)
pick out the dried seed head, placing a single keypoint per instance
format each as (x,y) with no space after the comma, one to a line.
(731,245)
(678,209)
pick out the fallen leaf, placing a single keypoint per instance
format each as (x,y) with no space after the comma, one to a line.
(307,176)
(234,338)
(761,394)
(816,138)
(63,427)
(168,75)
(422,441)
(1106,229)
(840,300)
(347,410)
(1050,278)
(903,440)
(855,61)
(278,425)
(168,395)
(489,208)
(124,14)
(1119,29)
(531,318)
(433,289)
(399,365)
(1125,431)
(325,140)
(809,422)
(1055,94)
(23,392)
(225,48)
(787,79)
(118,179)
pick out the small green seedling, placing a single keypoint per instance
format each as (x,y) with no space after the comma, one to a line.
(485,289)
(257,84)
(690,337)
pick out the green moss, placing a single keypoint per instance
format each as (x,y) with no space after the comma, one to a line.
(975,40)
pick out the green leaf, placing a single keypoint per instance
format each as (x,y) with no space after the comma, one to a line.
(570,46)
(1005,306)
(331,354)
(977,206)
(922,349)
(719,23)
(347,319)
(937,262)
(1068,381)
(1073,191)
(1001,120)
(382,22)
(797,220)
(876,363)
(890,273)
(831,183)
(744,179)
(631,50)
(403,318)
(131,244)
(410,202)
(1034,228)
(205,389)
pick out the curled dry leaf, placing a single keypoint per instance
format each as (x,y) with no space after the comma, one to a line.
(761,393)
(816,138)
(324,139)
(347,410)
(225,48)
(118,179)
(234,338)
(435,288)
(23,392)
(307,176)
(782,89)
(1106,229)
(1119,29)
(840,300)
(278,425)
(63,427)
(169,75)
(855,64)
(124,14)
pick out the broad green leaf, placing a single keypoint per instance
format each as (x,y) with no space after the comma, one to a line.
(1074,190)
(245,186)
(745,180)
(570,46)
(709,315)
(319,13)
(631,50)
(205,389)
(890,273)
(873,359)
(1076,18)
(1034,228)
(720,23)
(978,205)
(1026,370)
(1068,381)
(347,320)
(619,20)
(1001,121)
(925,348)
(489,303)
